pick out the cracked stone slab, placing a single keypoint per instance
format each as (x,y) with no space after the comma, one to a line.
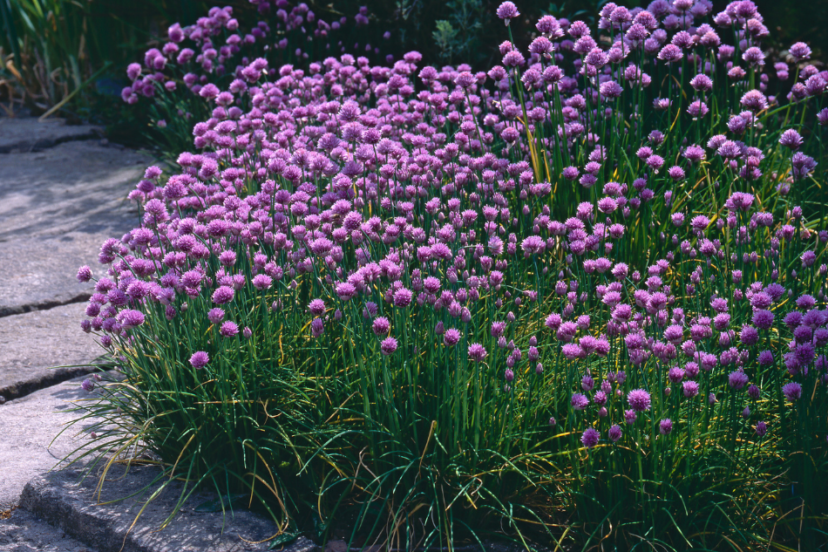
(40,273)
(21,134)
(29,426)
(56,208)
(63,501)
(35,342)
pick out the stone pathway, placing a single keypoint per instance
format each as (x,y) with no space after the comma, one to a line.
(26,450)
(56,208)
(62,193)
(35,342)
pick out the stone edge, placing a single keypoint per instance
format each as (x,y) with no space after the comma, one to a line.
(30,146)
(20,389)
(53,504)
(43,305)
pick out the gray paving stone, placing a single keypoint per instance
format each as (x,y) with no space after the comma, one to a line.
(56,208)
(29,426)
(35,342)
(75,186)
(20,134)
(39,273)
(24,532)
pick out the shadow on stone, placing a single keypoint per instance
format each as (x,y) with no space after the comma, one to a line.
(59,499)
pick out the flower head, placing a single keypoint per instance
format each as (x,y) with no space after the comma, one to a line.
(590,437)
(199,360)
(507,11)
(579,401)
(388,346)
(477,352)
(451,337)
(639,400)
(229,329)
(84,274)
(761,429)
(792,391)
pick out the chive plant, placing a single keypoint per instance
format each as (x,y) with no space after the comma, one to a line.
(577,301)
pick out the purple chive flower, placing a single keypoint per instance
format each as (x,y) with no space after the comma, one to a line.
(388,346)
(701,83)
(763,319)
(590,437)
(402,297)
(316,306)
(215,315)
(761,429)
(84,274)
(737,380)
(507,11)
(477,352)
(800,51)
(579,401)
(675,374)
(533,245)
(611,89)
(665,426)
(130,318)
(630,416)
(317,328)
(229,329)
(552,421)
(381,326)
(451,337)
(670,53)
(639,400)
(690,388)
(223,295)
(262,282)
(791,139)
(700,223)
(792,391)
(615,433)
(754,100)
(199,360)
(749,336)
(88,385)
(345,291)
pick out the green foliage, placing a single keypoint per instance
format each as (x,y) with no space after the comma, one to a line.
(445,37)
(460,37)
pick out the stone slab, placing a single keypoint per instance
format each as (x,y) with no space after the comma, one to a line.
(23,532)
(40,273)
(56,208)
(27,428)
(20,134)
(35,342)
(63,501)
